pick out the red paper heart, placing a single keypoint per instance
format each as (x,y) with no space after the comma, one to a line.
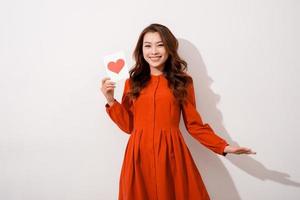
(116,66)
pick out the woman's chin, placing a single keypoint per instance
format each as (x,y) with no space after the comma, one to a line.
(155,65)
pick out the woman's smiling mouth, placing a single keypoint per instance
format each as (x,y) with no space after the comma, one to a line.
(156,58)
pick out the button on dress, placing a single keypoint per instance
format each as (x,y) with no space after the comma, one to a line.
(157,163)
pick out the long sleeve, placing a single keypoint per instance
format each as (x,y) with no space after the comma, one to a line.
(121,113)
(194,125)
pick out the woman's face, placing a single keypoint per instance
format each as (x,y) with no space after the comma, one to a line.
(154,51)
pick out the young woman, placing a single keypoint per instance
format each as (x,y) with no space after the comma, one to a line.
(158,164)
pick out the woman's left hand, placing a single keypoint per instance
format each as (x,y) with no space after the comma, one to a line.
(238,150)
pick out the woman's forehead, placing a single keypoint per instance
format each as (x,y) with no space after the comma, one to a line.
(152,37)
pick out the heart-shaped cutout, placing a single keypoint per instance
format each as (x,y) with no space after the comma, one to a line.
(117,66)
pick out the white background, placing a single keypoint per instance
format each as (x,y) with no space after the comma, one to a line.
(57,141)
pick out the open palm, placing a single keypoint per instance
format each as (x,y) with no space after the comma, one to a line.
(238,150)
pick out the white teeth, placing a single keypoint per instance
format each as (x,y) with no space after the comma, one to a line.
(155,58)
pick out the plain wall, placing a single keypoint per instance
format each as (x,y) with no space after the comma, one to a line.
(57,141)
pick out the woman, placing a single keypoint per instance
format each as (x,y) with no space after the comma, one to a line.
(157,162)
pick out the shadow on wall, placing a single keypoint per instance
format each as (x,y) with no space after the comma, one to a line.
(216,177)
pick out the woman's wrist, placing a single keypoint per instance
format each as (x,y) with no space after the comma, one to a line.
(110,101)
(226,149)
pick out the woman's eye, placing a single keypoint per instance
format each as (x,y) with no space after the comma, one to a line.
(161,45)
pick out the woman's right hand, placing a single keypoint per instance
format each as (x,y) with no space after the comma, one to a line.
(107,89)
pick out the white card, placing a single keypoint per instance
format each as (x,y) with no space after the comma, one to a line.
(116,66)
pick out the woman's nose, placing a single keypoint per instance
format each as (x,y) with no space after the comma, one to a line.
(154,50)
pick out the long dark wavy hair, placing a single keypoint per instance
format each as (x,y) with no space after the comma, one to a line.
(174,68)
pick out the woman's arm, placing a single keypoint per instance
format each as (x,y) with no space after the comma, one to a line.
(195,126)
(121,113)
(203,132)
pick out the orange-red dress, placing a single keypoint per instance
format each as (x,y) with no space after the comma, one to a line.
(158,164)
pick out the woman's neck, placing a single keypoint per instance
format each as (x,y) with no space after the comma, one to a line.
(156,71)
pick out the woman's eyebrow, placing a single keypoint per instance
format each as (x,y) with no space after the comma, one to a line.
(156,42)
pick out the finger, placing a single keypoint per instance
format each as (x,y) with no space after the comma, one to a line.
(110,88)
(250,152)
(109,83)
(105,79)
(105,87)
(242,151)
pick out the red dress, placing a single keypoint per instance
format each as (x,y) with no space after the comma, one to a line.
(158,164)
